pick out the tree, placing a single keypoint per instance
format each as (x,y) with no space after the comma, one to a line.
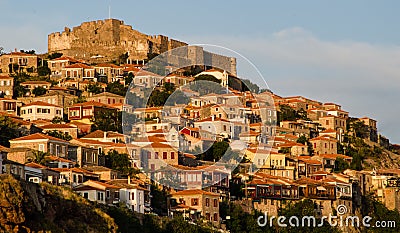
(248,85)
(129,79)
(94,88)
(302,139)
(107,120)
(1,50)
(54,56)
(43,71)
(38,91)
(28,51)
(116,88)
(60,135)
(215,152)
(286,113)
(40,157)
(207,77)
(341,165)
(57,120)
(300,209)
(8,130)
(117,161)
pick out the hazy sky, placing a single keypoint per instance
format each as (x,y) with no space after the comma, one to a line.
(338,51)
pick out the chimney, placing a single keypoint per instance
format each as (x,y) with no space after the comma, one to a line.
(105,135)
(213,117)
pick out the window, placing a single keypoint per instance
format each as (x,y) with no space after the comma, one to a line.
(207,202)
(41,147)
(326,145)
(315,145)
(133,195)
(208,216)
(148,155)
(215,202)
(327,122)
(164,155)
(195,201)
(156,155)
(172,155)
(100,196)
(108,193)
(86,195)
(215,217)
(153,167)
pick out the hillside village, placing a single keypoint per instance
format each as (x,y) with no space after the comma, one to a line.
(76,123)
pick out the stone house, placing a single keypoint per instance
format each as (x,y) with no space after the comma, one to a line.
(107,98)
(157,155)
(6,86)
(58,64)
(42,142)
(203,203)
(84,112)
(324,145)
(67,129)
(18,62)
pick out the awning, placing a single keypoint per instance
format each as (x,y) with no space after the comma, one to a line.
(320,188)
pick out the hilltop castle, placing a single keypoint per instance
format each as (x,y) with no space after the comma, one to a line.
(106,40)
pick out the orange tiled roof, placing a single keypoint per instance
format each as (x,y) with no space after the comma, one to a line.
(79,66)
(194,192)
(41,103)
(37,136)
(57,126)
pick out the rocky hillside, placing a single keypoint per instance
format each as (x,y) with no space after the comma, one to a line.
(28,207)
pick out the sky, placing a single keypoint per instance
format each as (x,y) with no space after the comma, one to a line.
(340,51)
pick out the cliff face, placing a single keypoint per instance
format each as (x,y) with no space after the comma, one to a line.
(27,207)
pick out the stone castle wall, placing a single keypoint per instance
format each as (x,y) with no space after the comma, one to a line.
(111,38)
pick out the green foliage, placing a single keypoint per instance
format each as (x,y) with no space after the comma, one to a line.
(252,87)
(38,91)
(40,157)
(43,71)
(241,221)
(8,130)
(378,211)
(129,79)
(341,165)
(358,127)
(167,96)
(159,200)
(301,209)
(60,135)
(208,77)
(116,88)
(80,99)
(54,56)
(117,161)
(285,150)
(192,71)
(57,120)
(94,88)
(28,51)
(302,139)
(215,152)
(107,120)
(286,113)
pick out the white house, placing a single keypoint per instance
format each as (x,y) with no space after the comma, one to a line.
(131,194)
(41,110)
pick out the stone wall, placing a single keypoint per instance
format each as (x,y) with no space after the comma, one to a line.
(105,40)
(108,38)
